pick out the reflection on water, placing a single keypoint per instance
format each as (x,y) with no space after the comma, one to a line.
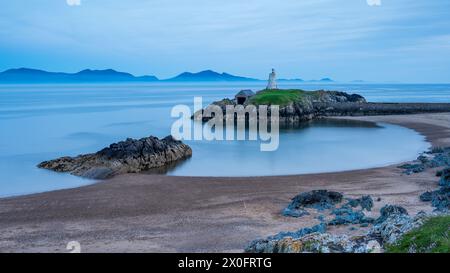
(330,122)
(169,168)
(324,145)
(41,122)
(188,167)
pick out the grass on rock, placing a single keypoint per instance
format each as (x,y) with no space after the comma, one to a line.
(432,237)
(277,97)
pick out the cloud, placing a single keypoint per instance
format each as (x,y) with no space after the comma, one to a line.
(374,2)
(73,2)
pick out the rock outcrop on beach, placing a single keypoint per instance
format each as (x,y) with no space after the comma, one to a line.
(298,106)
(318,199)
(316,243)
(130,156)
(390,229)
(440,198)
(365,202)
(383,232)
(437,157)
(393,222)
(347,213)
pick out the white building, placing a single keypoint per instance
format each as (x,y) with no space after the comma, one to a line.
(272,84)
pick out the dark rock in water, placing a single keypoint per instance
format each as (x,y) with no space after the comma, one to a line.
(130,156)
(346,215)
(318,199)
(365,202)
(390,210)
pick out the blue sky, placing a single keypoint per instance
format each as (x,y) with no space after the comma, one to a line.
(399,40)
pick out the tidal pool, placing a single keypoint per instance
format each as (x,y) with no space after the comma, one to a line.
(42,122)
(315,147)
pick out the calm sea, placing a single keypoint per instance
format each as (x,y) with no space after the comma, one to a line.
(41,122)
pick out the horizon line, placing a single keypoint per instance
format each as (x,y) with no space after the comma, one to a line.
(247,79)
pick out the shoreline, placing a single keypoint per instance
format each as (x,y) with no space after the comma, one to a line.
(150,172)
(159,213)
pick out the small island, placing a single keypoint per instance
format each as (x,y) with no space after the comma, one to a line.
(297,105)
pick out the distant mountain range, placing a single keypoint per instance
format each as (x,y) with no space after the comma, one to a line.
(301,80)
(27,75)
(323,80)
(208,76)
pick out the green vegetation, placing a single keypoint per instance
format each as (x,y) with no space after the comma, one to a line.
(226,102)
(432,237)
(277,97)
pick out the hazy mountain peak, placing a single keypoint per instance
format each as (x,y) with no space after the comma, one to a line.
(208,75)
(29,75)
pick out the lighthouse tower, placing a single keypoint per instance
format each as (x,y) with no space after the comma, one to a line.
(272,84)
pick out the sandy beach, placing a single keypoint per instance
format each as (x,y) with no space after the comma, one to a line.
(157,213)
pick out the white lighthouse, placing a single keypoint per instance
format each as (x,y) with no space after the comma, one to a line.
(272,84)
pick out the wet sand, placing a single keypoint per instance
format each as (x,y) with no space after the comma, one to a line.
(157,213)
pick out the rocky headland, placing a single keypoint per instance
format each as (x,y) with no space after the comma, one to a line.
(387,230)
(299,105)
(393,222)
(129,156)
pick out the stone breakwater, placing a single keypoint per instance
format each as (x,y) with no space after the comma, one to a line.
(373,109)
(318,104)
(129,156)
